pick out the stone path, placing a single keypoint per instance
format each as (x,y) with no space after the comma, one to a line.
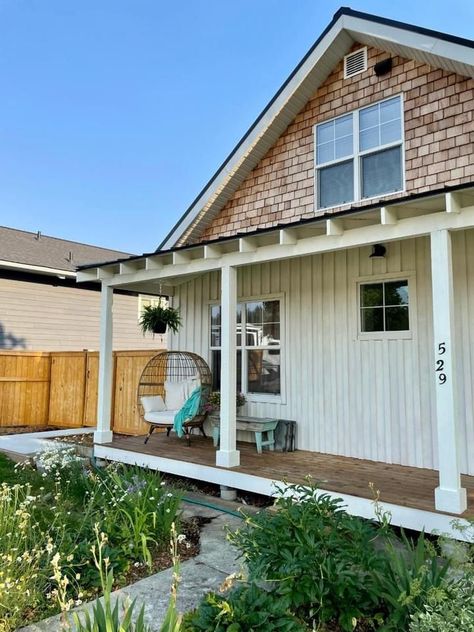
(199,575)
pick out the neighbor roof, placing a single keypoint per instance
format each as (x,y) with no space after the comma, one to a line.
(439,50)
(40,253)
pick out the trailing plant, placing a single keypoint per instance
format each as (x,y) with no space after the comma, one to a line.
(157,318)
(245,608)
(447,610)
(320,560)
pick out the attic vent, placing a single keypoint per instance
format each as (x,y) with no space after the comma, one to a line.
(355,62)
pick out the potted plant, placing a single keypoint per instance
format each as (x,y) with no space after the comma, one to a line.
(214,402)
(157,318)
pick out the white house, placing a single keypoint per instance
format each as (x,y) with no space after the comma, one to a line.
(339,235)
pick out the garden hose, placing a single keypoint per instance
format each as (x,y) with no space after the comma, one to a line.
(201,503)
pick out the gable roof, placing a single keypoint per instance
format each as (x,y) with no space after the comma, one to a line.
(347,27)
(35,252)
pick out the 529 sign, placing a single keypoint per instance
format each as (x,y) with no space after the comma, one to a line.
(440,370)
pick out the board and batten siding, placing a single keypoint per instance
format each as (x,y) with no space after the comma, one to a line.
(370,399)
(41,317)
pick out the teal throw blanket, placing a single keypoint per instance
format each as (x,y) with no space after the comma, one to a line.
(189,410)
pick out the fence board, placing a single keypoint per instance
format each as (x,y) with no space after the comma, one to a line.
(67,389)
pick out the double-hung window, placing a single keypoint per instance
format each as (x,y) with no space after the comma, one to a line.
(258,339)
(360,155)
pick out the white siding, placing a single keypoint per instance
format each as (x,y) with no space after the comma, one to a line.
(363,398)
(40,317)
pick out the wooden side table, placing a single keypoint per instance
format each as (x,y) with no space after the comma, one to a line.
(257,425)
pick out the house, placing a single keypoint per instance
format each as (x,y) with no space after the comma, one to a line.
(341,231)
(43,309)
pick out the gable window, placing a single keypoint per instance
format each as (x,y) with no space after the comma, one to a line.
(258,347)
(384,306)
(360,155)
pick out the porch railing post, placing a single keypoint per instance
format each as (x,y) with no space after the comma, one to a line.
(228,455)
(103,433)
(449,495)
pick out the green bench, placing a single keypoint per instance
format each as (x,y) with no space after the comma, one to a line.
(258,425)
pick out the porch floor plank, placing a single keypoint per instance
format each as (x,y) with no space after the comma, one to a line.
(398,484)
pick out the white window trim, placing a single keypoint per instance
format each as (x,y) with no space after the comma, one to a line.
(259,398)
(356,155)
(386,335)
(150,297)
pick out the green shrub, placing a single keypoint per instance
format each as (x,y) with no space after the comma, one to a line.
(449,610)
(246,608)
(321,561)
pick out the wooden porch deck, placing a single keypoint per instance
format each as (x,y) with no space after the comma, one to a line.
(399,485)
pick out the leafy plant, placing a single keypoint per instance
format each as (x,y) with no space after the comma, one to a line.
(447,610)
(106,618)
(214,401)
(320,560)
(412,572)
(156,318)
(246,608)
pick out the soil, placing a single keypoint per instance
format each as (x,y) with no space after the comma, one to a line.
(162,559)
(9,430)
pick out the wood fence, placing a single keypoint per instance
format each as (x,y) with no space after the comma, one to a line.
(59,389)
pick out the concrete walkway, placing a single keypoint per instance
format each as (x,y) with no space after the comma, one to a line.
(205,572)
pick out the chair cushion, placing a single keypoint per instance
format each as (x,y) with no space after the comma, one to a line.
(152,403)
(175,394)
(164,417)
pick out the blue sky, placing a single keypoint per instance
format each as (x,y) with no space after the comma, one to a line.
(115,113)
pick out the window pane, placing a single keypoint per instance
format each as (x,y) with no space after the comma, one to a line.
(390,132)
(371,295)
(215,315)
(369,117)
(216,370)
(239,312)
(271,312)
(254,335)
(381,172)
(215,336)
(371,319)
(325,132)
(255,312)
(264,371)
(343,126)
(369,138)
(390,110)
(325,152)
(344,147)
(396,319)
(396,293)
(336,184)
(271,334)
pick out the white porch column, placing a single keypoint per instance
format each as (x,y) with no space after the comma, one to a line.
(103,433)
(228,455)
(449,495)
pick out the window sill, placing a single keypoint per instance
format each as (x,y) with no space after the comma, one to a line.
(385,335)
(264,398)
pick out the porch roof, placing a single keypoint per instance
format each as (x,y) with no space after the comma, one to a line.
(417,215)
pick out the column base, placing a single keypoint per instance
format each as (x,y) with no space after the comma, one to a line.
(103,436)
(228,458)
(451,500)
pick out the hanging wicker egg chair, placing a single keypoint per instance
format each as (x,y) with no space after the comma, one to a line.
(166,383)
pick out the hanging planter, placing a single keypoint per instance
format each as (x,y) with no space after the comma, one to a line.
(157,319)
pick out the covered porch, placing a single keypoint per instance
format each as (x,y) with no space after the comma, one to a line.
(389,406)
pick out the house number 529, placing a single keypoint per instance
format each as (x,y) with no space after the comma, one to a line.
(440,370)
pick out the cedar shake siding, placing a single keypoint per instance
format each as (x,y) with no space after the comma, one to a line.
(44,317)
(439,143)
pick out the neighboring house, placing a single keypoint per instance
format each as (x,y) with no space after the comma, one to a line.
(342,228)
(43,309)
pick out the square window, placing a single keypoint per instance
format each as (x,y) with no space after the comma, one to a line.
(384,306)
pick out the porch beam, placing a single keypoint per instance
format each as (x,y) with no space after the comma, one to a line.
(334,227)
(153,263)
(228,455)
(388,216)
(212,252)
(128,267)
(407,228)
(181,257)
(453,202)
(247,244)
(449,495)
(103,433)
(288,237)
